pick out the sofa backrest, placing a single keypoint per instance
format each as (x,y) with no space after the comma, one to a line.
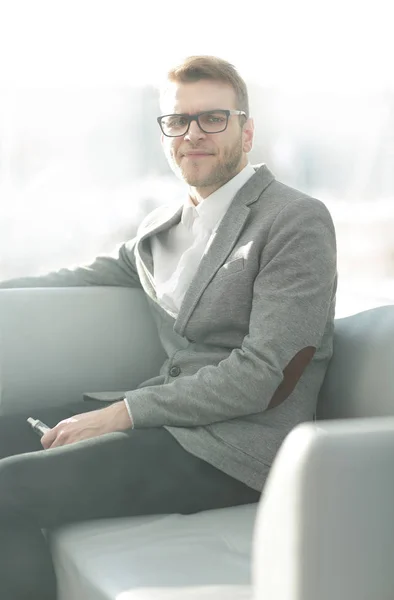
(360,378)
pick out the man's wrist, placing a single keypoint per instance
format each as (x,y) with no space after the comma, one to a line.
(119,417)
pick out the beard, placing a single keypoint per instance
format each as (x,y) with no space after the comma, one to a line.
(199,176)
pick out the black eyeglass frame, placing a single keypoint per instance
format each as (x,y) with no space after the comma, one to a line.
(196,116)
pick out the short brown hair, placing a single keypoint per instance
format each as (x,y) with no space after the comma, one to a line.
(195,68)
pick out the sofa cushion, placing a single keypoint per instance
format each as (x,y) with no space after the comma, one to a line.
(360,378)
(209,592)
(100,560)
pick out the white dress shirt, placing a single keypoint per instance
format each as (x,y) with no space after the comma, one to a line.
(177,252)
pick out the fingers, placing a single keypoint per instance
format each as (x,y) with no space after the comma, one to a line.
(60,440)
(48,438)
(55,437)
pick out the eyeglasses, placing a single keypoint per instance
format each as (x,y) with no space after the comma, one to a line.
(209,121)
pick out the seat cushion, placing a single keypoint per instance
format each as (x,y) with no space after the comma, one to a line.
(360,378)
(100,560)
(211,592)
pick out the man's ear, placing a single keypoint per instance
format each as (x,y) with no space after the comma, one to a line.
(247,135)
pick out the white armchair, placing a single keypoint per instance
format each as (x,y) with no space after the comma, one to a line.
(325,522)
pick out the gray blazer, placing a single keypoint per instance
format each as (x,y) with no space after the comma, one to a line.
(249,349)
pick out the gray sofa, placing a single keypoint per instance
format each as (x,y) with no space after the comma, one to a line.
(324,527)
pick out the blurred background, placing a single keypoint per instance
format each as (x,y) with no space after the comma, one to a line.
(80,155)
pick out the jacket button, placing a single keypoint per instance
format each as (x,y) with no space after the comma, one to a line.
(175,371)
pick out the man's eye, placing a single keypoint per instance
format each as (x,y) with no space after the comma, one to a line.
(177,122)
(213,118)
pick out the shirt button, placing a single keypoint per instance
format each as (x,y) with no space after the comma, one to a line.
(175,371)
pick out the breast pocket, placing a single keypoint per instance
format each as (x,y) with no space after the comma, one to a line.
(233,266)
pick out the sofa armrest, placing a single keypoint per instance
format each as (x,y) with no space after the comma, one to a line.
(209,592)
(325,524)
(57,343)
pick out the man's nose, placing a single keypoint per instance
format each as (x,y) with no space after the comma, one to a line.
(194,133)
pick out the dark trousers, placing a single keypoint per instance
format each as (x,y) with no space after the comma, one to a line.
(135,472)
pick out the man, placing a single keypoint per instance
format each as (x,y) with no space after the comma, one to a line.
(241,280)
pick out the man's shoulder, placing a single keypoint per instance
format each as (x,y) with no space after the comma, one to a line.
(274,190)
(278,197)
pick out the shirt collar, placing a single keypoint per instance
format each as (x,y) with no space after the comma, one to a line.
(213,208)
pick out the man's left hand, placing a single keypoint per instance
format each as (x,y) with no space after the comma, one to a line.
(88,425)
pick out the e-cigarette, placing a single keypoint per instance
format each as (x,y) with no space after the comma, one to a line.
(38,426)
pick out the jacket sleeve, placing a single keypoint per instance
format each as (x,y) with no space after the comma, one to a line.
(292,296)
(117,269)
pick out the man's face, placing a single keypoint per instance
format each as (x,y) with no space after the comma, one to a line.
(206,161)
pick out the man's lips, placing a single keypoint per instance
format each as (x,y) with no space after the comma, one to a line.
(197,153)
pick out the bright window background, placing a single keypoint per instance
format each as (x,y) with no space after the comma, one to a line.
(80,157)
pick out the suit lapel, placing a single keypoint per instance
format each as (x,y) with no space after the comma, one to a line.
(143,251)
(222,243)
